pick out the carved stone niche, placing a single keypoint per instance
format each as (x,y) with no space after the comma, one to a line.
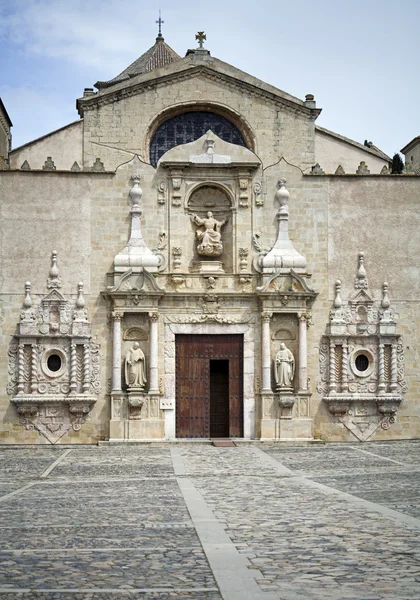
(362,360)
(54,376)
(210,175)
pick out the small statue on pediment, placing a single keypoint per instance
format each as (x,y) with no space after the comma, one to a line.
(210,236)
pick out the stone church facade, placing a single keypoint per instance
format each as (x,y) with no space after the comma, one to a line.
(194,258)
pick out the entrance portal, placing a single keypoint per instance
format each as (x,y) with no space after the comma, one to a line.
(209,374)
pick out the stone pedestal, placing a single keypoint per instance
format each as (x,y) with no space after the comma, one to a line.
(207,267)
(286,403)
(136,400)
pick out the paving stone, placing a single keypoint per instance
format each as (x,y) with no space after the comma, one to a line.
(111,522)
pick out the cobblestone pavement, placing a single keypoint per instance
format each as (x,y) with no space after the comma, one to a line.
(192,522)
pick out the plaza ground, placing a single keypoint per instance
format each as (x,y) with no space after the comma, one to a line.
(191,522)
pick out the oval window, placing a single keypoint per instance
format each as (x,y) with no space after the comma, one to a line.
(54,362)
(362,362)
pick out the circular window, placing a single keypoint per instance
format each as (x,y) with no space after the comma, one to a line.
(53,362)
(362,362)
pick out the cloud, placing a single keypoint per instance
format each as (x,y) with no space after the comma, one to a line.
(35,112)
(88,33)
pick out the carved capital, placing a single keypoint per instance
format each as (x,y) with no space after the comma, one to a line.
(117,315)
(266,316)
(154,317)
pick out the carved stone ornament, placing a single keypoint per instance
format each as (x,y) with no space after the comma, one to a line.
(362,360)
(209,235)
(283,254)
(54,367)
(136,254)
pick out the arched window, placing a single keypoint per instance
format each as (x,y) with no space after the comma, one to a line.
(189,126)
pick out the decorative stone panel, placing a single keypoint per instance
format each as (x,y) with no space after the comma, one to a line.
(53,362)
(362,360)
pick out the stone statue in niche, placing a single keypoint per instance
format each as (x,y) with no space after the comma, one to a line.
(210,237)
(284,368)
(135,367)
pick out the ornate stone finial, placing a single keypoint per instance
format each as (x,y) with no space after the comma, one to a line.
(25,166)
(362,169)
(283,255)
(160,22)
(136,253)
(80,302)
(98,166)
(361,283)
(316,170)
(136,192)
(200,36)
(339,171)
(282,195)
(385,170)
(385,298)
(27,302)
(75,167)
(4,164)
(49,165)
(53,280)
(337,300)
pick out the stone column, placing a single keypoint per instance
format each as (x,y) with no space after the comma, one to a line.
(333,383)
(265,351)
(303,354)
(73,369)
(345,374)
(86,368)
(154,353)
(381,383)
(394,368)
(21,369)
(34,369)
(116,351)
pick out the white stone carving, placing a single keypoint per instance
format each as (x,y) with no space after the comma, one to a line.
(209,236)
(135,367)
(136,254)
(54,376)
(283,254)
(284,368)
(362,360)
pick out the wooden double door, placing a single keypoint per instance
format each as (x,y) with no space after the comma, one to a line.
(209,390)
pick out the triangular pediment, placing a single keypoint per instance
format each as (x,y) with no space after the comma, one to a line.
(54,296)
(187,68)
(210,149)
(361,297)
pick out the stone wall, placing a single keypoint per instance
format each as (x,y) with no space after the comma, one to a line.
(64,146)
(334,150)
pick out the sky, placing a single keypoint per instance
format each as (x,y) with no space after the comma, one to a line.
(359,58)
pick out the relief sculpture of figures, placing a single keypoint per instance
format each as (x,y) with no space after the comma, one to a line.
(210,238)
(284,367)
(135,367)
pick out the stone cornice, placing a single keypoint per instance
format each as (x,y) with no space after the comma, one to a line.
(111,96)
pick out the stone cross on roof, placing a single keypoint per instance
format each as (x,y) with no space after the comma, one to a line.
(200,36)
